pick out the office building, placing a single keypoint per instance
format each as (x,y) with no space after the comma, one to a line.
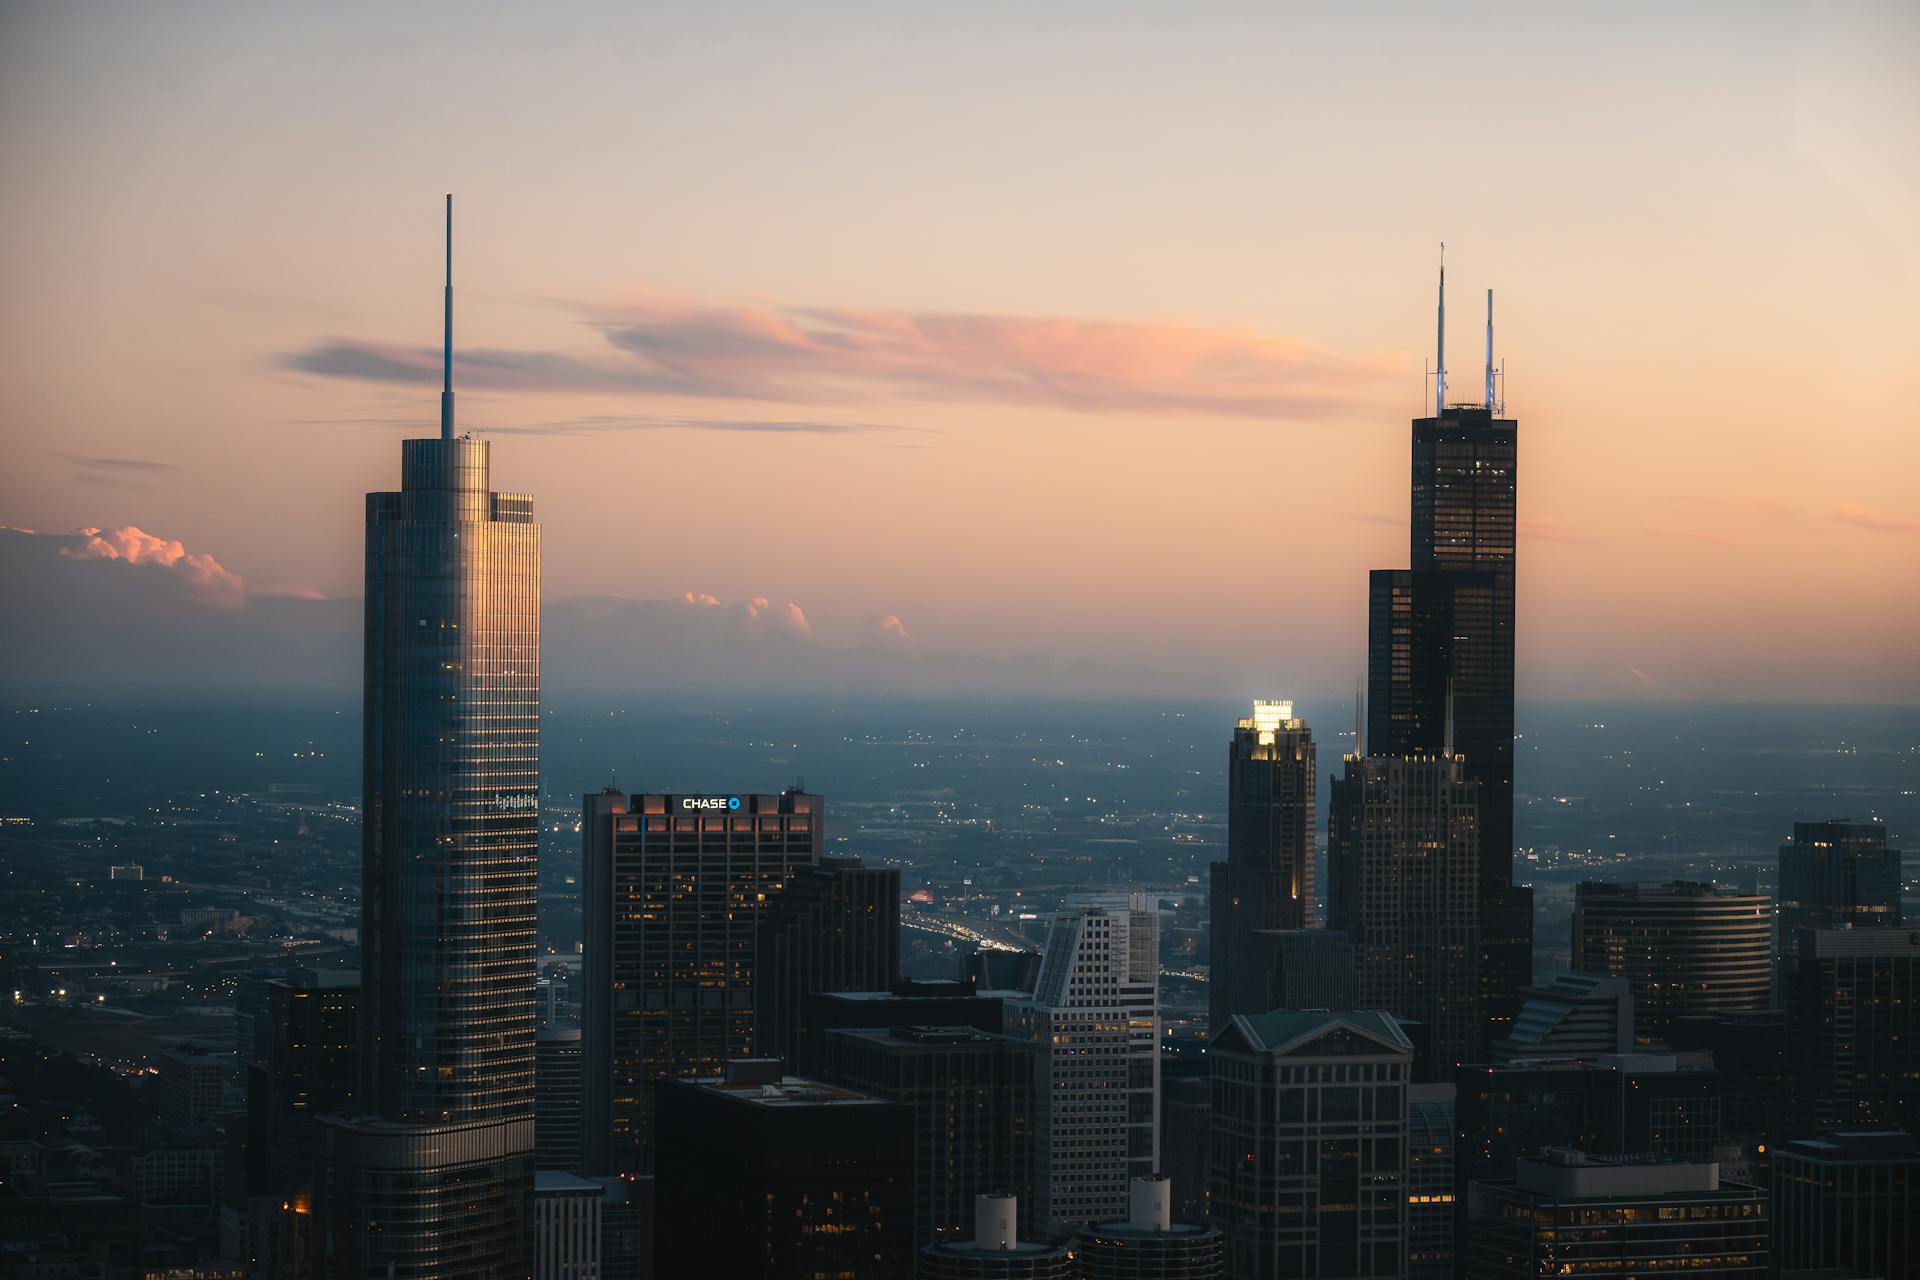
(1571,1015)
(1430,1182)
(1569,1214)
(1310,1144)
(911,1003)
(1836,875)
(1301,969)
(835,927)
(1148,1244)
(973,1123)
(995,1251)
(566,1227)
(674,890)
(763,1174)
(1186,1117)
(1404,885)
(191,1087)
(1749,1053)
(1848,1200)
(557,1130)
(1267,880)
(306,1070)
(1685,948)
(434,1178)
(1095,1017)
(1853,1029)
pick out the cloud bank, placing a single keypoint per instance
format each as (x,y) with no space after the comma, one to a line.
(209,581)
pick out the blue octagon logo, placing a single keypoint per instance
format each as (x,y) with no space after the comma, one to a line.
(733,802)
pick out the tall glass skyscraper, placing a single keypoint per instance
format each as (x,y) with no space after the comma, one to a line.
(435,1178)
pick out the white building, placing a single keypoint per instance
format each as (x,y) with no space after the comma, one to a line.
(1095,1013)
(566,1227)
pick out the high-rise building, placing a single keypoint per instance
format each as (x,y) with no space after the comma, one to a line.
(764,1174)
(972,1098)
(435,1178)
(566,1226)
(1571,1015)
(1684,947)
(1440,646)
(1404,885)
(1267,880)
(557,1131)
(191,1088)
(1836,875)
(1301,969)
(835,927)
(675,890)
(996,1251)
(910,1003)
(1569,1214)
(1148,1244)
(1848,1199)
(1431,1192)
(1749,1055)
(1853,1028)
(1095,1016)
(1186,1121)
(1310,1144)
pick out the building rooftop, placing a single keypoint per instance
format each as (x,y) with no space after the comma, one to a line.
(1283,1028)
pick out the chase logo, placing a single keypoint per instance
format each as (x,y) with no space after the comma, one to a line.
(710,802)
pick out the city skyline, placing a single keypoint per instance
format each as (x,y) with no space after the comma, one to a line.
(953,389)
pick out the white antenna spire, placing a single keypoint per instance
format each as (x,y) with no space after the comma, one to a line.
(1489,351)
(1440,377)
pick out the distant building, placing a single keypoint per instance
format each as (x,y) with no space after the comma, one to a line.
(1186,1119)
(558,1086)
(1430,1182)
(1310,1144)
(1149,1244)
(972,1094)
(1267,880)
(1095,1017)
(1853,1028)
(1749,1052)
(1838,875)
(773,1176)
(1685,948)
(996,1251)
(1301,969)
(675,890)
(1568,1214)
(566,1227)
(835,927)
(1571,1015)
(191,1089)
(1403,877)
(1849,1200)
(909,1004)
(126,871)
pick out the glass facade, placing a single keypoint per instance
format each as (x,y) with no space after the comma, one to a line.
(1685,948)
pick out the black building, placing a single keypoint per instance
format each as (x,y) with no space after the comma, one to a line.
(1836,875)
(835,927)
(767,1175)
(1267,880)
(1848,1199)
(1301,969)
(1853,1028)
(911,1003)
(972,1098)
(557,1129)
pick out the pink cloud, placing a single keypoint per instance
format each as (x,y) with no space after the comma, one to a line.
(891,628)
(214,584)
(702,600)
(1863,518)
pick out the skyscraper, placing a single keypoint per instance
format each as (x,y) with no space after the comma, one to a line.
(1403,884)
(1095,1016)
(1849,1199)
(1836,875)
(556,1110)
(675,890)
(1853,1028)
(835,927)
(1267,880)
(434,1179)
(1441,644)
(1684,947)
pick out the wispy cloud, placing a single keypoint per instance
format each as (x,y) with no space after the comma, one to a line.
(597,424)
(1852,513)
(114,472)
(824,355)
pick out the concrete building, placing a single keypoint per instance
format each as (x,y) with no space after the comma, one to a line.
(1685,948)
(566,1227)
(995,1251)
(1095,1017)
(1848,1199)
(1149,1244)
(1309,1166)
(1571,1015)
(1569,1214)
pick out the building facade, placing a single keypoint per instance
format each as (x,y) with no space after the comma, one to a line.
(1404,884)
(675,887)
(1848,1199)
(995,1251)
(1310,1144)
(566,1227)
(1095,1017)
(557,1129)
(1853,1029)
(1431,1193)
(834,927)
(1685,948)
(1267,880)
(1149,1244)
(1571,1015)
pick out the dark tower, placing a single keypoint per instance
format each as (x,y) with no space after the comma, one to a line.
(1440,650)
(435,1178)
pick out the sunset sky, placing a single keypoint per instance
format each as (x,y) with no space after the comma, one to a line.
(1092,330)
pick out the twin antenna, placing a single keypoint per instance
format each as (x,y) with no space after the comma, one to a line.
(1492,402)
(446,350)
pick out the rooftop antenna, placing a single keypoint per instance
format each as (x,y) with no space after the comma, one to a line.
(1489,351)
(446,357)
(1440,342)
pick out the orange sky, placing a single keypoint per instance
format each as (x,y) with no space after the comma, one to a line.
(1077,334)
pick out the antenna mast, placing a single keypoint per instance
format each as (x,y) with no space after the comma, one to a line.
(1440,377)
(1490,351)
(446,357)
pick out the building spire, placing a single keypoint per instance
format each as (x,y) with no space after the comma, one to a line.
(1440,377)
(1359,721)
(1489,351)
(446,357)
